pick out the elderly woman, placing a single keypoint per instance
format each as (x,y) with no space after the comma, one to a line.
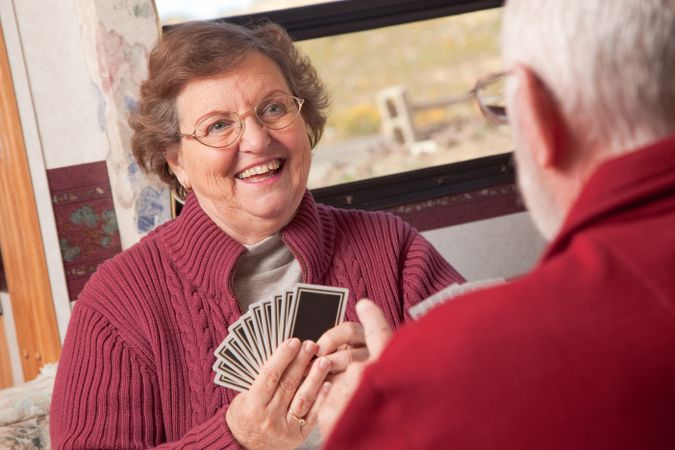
(228,116)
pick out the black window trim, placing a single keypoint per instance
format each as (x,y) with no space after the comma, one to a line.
(417,185)
(349,16)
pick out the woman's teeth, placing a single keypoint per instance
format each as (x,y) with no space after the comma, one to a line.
(259,170)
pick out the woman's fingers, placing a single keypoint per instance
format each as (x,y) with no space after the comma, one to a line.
(347,333)
(263,416)
(292,377)
(266,383)
(307,392)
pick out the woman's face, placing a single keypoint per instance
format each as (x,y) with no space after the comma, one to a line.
(240,186)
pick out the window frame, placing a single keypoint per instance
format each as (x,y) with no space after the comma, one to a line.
(349,16)
(413,186)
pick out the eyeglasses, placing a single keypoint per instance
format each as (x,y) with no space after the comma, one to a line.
(489,93)
(223,129)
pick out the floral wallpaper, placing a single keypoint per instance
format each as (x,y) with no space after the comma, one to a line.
(86,222)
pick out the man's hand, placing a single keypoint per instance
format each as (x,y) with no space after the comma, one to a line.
(377,334)
(343,345)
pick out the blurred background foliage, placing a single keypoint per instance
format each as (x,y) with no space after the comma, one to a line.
(431,58)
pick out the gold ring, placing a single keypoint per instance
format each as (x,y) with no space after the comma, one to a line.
(300,420)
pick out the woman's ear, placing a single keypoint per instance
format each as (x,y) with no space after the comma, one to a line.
(540,122)
(173,159)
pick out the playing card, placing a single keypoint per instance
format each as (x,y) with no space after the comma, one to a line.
(231,352)
(316,309)
(253,333)
(288,310)
(228,378)
(222,380)
(258,313)
(229,364)
(242,330)
(269,310)
(278,322)
(305,312)
(245,358)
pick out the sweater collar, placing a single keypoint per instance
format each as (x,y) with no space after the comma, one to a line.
(621,184)
(207,255)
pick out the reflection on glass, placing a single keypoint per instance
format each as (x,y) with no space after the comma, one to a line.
(399,98)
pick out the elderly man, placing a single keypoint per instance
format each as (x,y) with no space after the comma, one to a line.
(579,353)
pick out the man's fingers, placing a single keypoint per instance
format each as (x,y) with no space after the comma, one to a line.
(347,333)
(313,415)
(342,358)
(343,386)
(376,329)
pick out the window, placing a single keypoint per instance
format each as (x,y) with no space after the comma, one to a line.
(396,71)
(398,100)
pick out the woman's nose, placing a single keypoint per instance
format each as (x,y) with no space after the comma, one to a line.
(254,137)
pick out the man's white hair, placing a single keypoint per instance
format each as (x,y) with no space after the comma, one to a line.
(609,63)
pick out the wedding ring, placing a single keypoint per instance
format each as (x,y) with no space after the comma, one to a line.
(300,420)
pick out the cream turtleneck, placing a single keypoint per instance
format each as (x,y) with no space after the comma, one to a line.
(266,269)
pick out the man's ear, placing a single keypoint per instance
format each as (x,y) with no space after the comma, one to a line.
(539,119)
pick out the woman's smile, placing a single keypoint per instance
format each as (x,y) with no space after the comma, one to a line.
(267,171)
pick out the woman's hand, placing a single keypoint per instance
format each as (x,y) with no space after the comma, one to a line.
(343,345)
(281,408)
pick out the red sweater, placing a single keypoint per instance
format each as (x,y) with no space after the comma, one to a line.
(579,354)
(135,371)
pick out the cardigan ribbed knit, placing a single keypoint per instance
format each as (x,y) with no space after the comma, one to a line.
(135,369)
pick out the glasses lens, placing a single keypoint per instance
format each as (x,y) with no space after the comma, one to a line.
(219,130)
(279,111)
(491,98)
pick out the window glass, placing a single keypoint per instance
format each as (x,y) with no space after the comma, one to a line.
(397,97)
(175,11)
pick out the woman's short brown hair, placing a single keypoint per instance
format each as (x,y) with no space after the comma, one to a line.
(196,50)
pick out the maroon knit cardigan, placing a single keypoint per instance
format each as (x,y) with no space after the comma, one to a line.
(135,370)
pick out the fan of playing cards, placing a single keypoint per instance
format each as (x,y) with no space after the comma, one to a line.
(305,312)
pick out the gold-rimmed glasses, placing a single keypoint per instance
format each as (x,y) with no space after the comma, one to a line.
(223,129)
(489,93)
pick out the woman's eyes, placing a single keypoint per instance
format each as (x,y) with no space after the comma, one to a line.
(273,109)
(224,124)
(219,126)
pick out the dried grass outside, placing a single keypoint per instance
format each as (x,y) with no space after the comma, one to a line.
(430,59)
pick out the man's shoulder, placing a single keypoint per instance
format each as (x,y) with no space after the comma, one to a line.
(575,301)
(578,281)
(473,317)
